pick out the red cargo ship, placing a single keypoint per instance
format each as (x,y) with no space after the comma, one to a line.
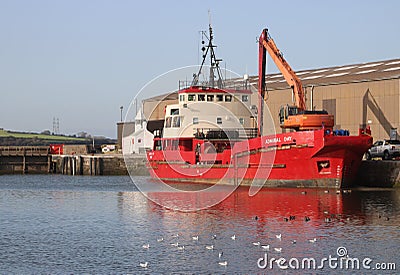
(214,135)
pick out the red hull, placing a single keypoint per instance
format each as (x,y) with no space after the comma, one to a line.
(298,159)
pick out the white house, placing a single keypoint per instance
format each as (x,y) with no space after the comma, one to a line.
(140,140)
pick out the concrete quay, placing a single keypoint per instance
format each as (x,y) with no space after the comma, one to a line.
(94,165)
(379,173)
(24,160)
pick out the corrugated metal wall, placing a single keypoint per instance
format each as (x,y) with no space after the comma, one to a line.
(377,102)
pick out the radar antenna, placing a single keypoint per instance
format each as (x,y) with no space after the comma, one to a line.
(215,70)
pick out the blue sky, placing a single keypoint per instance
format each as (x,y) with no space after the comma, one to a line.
(80,61)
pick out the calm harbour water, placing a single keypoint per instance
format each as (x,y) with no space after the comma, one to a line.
(98,225)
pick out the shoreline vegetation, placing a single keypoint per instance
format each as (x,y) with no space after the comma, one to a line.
(14,138)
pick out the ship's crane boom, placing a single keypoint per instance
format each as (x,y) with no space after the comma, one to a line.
(267,43)
(293,117)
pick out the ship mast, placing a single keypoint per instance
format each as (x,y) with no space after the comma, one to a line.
(215,70)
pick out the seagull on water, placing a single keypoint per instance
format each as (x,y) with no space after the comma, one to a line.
(225,263)
(313,240)
(279,236)
(160,239)
(294,242)
(265,247)
(195,238)
(278,249)
(220,254)
(210,247)
(181,247)
(144,265)
(146,246)
(214,236)
(256,244)
(233,237)
(174,244)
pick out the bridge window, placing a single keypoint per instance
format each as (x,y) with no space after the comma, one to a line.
(191,97)
(228,98)
(195,120)
(219,120)
(201,97)
(174,111)
(181,97)
(168,122)
(176,122)
(220,97)
(241,120)
(245,98)
(210,97)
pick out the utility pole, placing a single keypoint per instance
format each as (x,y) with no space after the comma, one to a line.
(121,108)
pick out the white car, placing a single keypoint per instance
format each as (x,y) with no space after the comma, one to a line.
(385,149)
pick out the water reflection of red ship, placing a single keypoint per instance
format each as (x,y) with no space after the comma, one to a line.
(360,207)
(279,205)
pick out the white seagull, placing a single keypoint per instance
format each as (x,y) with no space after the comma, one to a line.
(210,247)
(181,247)
(195,238)
(279,236)
(233,237)
(146,246)
(160,239)
(225,263)
(220,254)
(313,240)
(256,244)
(265,247)
(174,244)
(144,265)
(278,249)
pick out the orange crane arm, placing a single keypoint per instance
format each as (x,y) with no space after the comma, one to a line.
(266,42)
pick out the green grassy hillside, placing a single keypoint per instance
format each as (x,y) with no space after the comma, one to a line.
(50,138)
